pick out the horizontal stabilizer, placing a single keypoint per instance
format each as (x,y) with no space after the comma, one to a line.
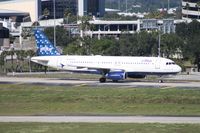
(40,61)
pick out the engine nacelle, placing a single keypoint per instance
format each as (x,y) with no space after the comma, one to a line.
(133,75)
(116,75)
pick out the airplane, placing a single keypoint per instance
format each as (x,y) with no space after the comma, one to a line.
(114,68)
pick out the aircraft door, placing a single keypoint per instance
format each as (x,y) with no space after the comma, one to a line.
(157,64)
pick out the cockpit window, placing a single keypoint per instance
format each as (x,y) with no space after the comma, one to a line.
(170,63)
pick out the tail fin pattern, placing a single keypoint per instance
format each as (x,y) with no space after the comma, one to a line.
(44,46)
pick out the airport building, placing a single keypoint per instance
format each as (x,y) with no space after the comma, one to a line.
(13,8)
(116,28)
(60,7)
(4,37)
(35,8)
(29,11)
(191,9)
(91,7)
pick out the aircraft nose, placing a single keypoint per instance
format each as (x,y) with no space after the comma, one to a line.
(179,69)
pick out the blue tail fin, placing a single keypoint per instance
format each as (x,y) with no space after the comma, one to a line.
(44,46)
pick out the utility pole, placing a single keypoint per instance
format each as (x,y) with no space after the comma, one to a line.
(54,16)
(126,6)
(119,5)
(159,44)
(168,6)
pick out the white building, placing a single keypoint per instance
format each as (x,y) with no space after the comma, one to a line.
(116,28)
(190,9)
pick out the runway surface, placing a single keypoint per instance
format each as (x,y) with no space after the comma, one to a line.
(77,82)
(101,119)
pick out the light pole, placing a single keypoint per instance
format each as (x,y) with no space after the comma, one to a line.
(54,17)
(119,4)
(159,41)
(159,44)
(126,6)
(168,5)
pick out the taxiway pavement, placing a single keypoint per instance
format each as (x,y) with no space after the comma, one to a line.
(129,83)
(101,119)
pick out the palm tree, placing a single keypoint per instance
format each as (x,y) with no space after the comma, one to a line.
(84,24)
(3,60)
(67,14)
(5,54)
(30,53)
(46,13)
(11,53)
(26,32)
(20,57)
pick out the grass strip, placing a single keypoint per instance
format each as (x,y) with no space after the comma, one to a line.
(63,100)
(97,128)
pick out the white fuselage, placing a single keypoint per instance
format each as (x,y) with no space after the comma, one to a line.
(148,65)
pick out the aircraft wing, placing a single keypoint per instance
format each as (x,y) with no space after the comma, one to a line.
(97,67)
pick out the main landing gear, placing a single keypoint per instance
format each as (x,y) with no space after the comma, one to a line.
(102,80)
(160,80)
(103,77)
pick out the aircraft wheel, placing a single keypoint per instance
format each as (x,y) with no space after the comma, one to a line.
(160,81)
(102,80)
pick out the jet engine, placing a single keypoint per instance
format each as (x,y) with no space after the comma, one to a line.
(133,75)
(116,75)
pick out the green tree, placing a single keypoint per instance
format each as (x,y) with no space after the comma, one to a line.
(21,55)
(147,43)
(3,56)
(182,30)
(126,43)
(171,45)
(105,46)
(74,48)
(62,36)
(67,15)
(138,44)
(190,33)
(46,13)
(84,24)
(30,53)
(86,44)
(156,15)
(2,61)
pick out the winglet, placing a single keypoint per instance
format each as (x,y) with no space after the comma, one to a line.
(44,46)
